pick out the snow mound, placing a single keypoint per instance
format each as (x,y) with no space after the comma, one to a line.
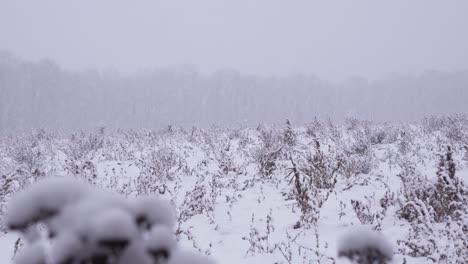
(42,200)
(151,210)
(362,243)
(161,242)
(32,254)
(67,248)
(135,253)
(113,226)
(74,216)
(184,257)
(85,225)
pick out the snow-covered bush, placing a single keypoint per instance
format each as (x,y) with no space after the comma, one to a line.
(315,128)
(196,201)
(121,146)
(363,212)
(81,152)
(438,214)
(378,136)
(312,176)
(359,151)
(223,155)
(452,126)
(301,192)
(259,240)
(417,191)
(289,136)
(455,128)
(431,124)
(465,156)
(357,164)
(29,154)
(320,168)
(83,145)
(85,225)
(268,153)
(405,141)
(450,195)
(364,246)
(10,183)
(156,169)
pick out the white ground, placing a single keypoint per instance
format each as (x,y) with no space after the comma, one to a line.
(223,237)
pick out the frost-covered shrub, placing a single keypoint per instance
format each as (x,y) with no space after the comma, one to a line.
(84,145)
(115,230)
(437,213)
(302,192)
(289,136)
(354,124)
(121,146)
(445,199)
(259,240)
(358,157)
(312,178)
(405,141)
(29,154)
(453,126)
(437,243)
(244,140)
(377,136)
(268,153)
(363,212)
(225,161)
(450,195)
(356,164)
(315,128)
(81,154)
(197,201)
(10,183)
(223,155)
(417,191)
(365,132)
(333,132)
(432,124)
(321,169)
(156,169)
(391,133)
(361,146)
(465,155)
(364,246)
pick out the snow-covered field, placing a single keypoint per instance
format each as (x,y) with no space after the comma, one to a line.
(274,194)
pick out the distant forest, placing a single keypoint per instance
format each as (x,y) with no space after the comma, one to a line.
(42,95)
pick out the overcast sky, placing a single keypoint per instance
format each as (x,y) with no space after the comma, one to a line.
(331,39)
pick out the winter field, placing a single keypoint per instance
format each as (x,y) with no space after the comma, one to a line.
(273,194)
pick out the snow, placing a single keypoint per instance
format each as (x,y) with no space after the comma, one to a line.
(135,253)
(362,238)
(112,225)
(32,254)
(87,222)
(66,247)
(242,217)
(42,200)
(185,256)
(152,210)
(161,237)
(7,247)
(75,216)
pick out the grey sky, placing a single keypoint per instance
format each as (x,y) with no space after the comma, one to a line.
(331,39)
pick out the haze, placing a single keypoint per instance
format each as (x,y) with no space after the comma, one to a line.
(73,65)
(333,40)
